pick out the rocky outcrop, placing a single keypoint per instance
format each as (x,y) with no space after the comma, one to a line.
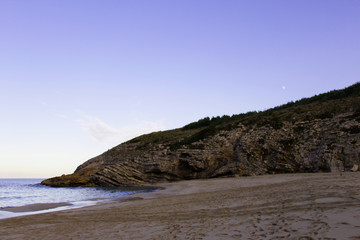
(318,134)
(307,146)
(329,144)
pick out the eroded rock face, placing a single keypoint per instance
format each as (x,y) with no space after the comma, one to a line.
(320,145)
(304,146)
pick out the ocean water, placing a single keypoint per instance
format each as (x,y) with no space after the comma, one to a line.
(21,192)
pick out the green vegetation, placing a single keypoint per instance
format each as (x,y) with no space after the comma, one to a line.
(320,106)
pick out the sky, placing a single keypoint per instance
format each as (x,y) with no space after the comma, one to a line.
(79,77)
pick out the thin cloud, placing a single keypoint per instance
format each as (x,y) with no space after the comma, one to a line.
(103,133)
(59,115)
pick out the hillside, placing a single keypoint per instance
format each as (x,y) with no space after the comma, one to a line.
(316,134)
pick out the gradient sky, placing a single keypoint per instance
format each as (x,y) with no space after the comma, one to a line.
(79,77)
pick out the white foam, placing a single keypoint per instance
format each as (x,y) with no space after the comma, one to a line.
(78,204)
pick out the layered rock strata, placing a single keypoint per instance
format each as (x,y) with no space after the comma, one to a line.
(320,145)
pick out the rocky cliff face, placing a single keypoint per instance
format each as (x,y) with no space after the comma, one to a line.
(327,144)
(306,146)
(315,134)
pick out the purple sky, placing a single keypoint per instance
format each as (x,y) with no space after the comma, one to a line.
(79,77)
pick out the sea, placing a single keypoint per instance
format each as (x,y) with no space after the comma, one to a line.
(22,192)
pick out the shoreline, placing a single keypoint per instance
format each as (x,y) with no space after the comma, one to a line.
(316,205)
(42,208)
(31,208)
(34,207)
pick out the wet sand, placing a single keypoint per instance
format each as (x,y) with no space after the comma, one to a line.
(288,206)
(35,207)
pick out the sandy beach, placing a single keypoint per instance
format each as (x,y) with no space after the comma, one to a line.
(288,206)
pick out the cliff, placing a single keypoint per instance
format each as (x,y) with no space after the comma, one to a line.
(318,134)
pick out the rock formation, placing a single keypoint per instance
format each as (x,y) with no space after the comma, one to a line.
(319,134)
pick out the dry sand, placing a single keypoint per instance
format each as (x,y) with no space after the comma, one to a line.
(289,206)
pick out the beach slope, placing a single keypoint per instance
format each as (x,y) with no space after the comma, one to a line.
(286,206)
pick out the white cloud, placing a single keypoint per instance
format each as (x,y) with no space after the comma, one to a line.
(59,115)
(104,133)
(283,87)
